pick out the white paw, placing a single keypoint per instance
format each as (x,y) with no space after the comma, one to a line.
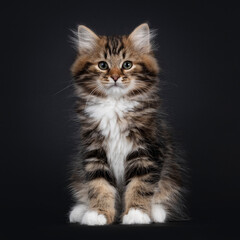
(76,213)
(136,216)
(158,213)
(93,218)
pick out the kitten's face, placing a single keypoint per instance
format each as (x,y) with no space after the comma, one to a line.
(115,66)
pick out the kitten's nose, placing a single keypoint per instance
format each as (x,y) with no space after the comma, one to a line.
(115,77)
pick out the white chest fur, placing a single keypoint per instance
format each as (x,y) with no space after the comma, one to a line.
(110,113)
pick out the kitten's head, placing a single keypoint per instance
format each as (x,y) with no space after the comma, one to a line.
(115,66)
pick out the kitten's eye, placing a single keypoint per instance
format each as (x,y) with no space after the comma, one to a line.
(127,65)
(103,65)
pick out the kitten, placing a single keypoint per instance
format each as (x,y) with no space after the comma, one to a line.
(128,169)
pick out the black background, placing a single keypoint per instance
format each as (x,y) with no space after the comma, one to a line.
(198,52)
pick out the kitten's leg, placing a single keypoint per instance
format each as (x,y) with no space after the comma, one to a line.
(101,190)
(101,209)
(137,203)
(94,186)
(141,176)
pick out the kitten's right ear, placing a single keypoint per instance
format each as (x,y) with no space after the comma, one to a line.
(140,37)
(87,39)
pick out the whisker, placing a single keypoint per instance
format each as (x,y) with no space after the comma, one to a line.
(63,89)
(91,93)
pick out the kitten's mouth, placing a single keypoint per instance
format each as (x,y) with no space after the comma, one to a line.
(115,85)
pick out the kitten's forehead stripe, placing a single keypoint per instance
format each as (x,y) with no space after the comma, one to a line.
(105,55)
(114,45)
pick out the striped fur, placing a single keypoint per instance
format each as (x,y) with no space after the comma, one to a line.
(128,168)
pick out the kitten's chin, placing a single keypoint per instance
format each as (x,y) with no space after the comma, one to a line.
(116,91)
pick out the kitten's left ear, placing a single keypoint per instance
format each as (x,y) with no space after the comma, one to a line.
(140,38)
(87,39)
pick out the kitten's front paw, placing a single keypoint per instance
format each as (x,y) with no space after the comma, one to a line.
(93,218)
(159,214)
(136,216)
(77,213)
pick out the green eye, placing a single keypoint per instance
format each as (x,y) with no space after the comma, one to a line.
(127,65)
(103,65)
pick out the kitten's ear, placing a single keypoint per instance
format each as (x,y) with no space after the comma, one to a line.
(140,38)
(87,39)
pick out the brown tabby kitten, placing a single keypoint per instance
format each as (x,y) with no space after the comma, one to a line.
(128,169)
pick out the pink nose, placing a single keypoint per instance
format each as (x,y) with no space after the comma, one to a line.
(115,77)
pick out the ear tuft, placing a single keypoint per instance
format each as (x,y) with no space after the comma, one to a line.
(141,38)
(85,39)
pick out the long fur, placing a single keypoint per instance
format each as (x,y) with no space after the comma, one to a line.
(129,168)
